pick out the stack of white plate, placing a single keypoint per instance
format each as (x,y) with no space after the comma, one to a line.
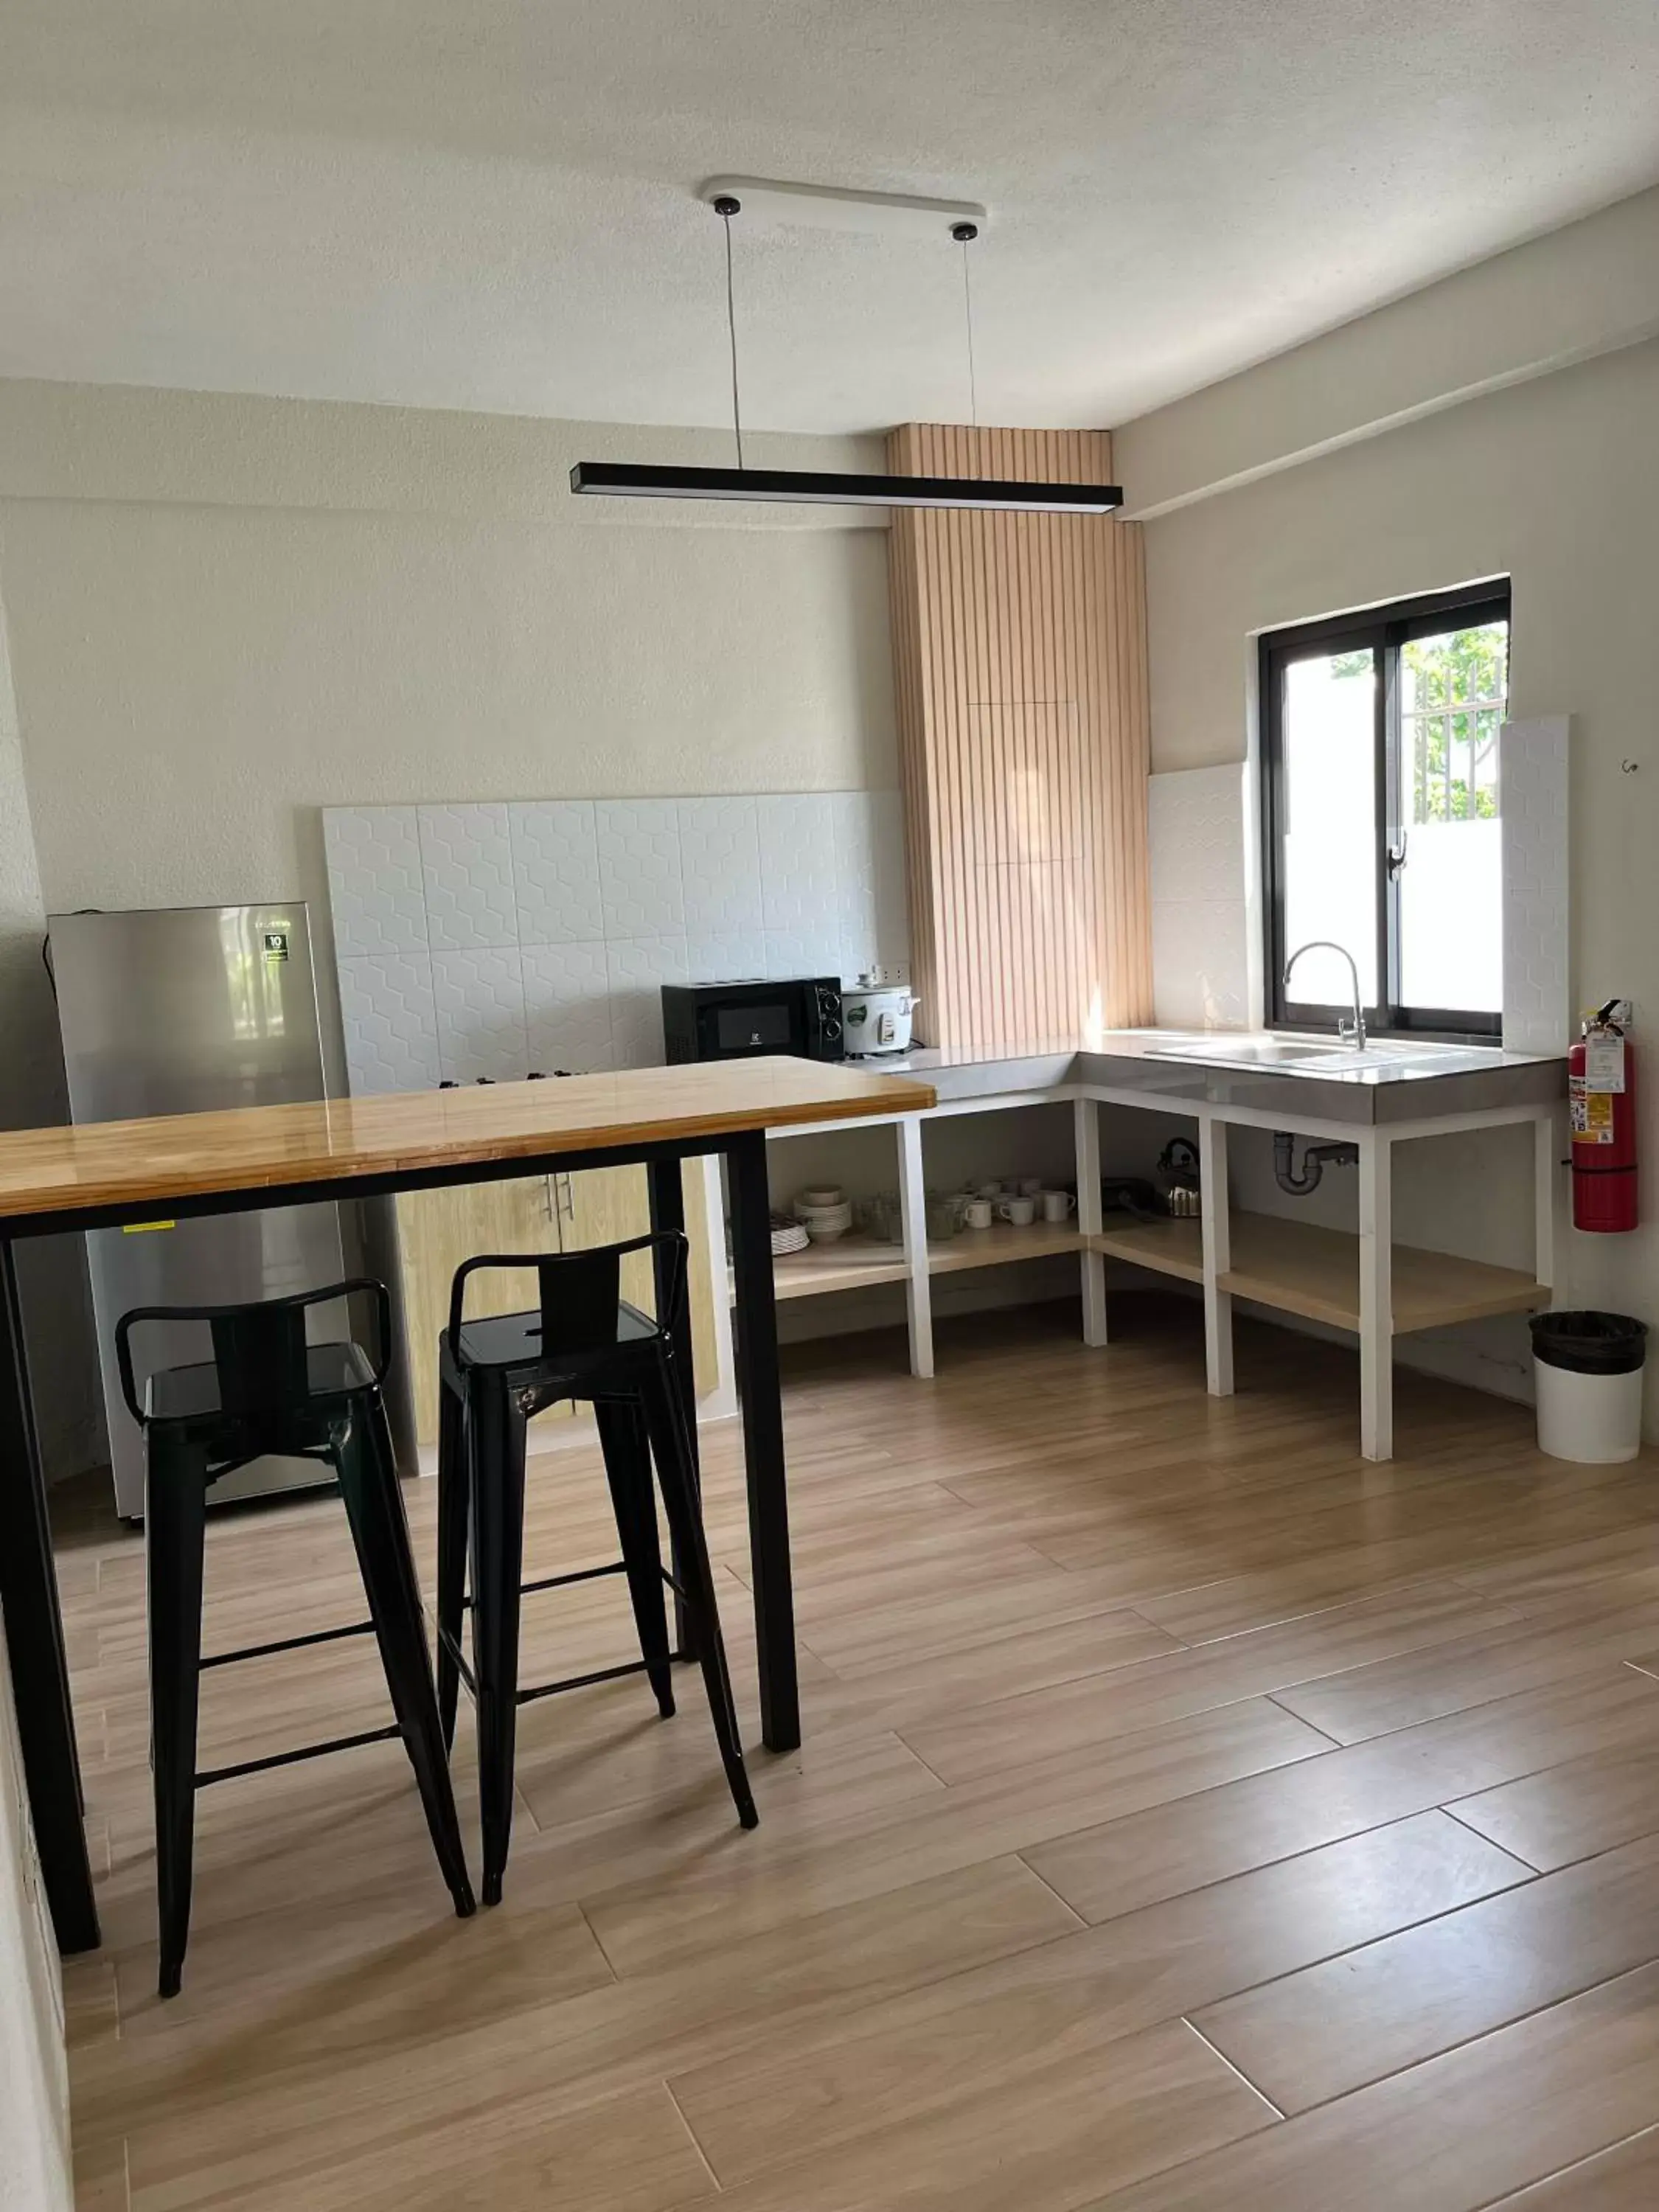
(787,1236)
(824,1213)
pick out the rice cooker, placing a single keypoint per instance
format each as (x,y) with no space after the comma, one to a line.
(877,1020)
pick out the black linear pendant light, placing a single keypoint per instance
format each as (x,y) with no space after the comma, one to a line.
(822,486)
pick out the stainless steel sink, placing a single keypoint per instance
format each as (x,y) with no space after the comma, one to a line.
(1251,1052)
(1312,1055)
(1393,1080)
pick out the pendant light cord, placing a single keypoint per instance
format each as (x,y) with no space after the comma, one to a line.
(964,234)
(726,209)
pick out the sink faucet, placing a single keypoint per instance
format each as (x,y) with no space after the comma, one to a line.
(1352,1032)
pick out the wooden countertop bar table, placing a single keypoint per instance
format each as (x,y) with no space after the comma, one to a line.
(104,1175)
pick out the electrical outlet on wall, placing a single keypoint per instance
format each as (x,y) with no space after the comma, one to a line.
(888,975)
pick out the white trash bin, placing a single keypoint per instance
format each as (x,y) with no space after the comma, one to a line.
(1587,1368)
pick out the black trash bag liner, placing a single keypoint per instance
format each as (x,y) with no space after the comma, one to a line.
(1589,1343)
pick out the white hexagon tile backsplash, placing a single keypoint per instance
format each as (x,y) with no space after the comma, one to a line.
(642,891)
(720,867)
(479,998)
(390,1022)
(489,938)
(466,863)
(638,967)
(799,881)
(556,872)
(375,883)
(567,994)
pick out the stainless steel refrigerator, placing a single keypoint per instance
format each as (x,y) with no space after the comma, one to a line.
(180,1011)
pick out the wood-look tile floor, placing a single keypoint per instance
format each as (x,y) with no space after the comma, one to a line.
(1190,1815)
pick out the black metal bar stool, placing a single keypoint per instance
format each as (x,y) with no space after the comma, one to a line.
(266,1390)
(586,1342)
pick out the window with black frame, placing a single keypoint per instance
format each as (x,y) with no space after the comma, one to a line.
(1381,799)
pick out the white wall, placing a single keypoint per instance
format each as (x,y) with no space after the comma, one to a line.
(226,614)
(1554,482)
(1588,289)
(1197,820)
(52,1273)
(34,2174)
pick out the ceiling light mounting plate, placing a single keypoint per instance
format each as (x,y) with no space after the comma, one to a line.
(835,207)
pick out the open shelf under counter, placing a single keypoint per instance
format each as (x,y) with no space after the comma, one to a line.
(1000,1244)
(845,1264)
(852,1262)
(1171,1247)
(1300,1267)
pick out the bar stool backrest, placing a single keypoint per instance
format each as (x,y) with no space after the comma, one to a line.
(581,1291)
(259,1350)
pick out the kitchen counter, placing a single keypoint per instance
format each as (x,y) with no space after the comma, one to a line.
(1396,1092)
(1393,1081)
(968,1072)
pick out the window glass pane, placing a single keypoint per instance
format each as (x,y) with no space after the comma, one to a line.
(1452,693)
(1329,851)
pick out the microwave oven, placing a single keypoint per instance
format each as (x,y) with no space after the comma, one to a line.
(738,1021)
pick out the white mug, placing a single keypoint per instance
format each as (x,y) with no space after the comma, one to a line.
(1030,1186)
(977,1213)
(1021,1212)
(1058,1204)
(990,1191)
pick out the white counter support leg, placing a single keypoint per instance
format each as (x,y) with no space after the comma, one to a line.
(918,1289)
(1217,1255)
(1086,1119)
(1376,1296)
(1546,1177)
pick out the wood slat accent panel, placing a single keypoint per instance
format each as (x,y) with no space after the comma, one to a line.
(1020,661)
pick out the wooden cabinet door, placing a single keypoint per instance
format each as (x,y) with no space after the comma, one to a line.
(608,1205)
(437,1230)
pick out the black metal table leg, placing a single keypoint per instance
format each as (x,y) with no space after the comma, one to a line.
(35,1638)
(756,1320)
(668,1213)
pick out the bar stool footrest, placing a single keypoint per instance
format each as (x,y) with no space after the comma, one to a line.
(289,1758)
(584,1681)
(287,1643)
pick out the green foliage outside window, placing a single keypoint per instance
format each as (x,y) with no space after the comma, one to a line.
(1453,691)
(1452,703)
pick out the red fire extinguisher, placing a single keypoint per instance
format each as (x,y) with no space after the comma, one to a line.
(1601,1089)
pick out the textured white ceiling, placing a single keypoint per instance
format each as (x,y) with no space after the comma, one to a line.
(488,204)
